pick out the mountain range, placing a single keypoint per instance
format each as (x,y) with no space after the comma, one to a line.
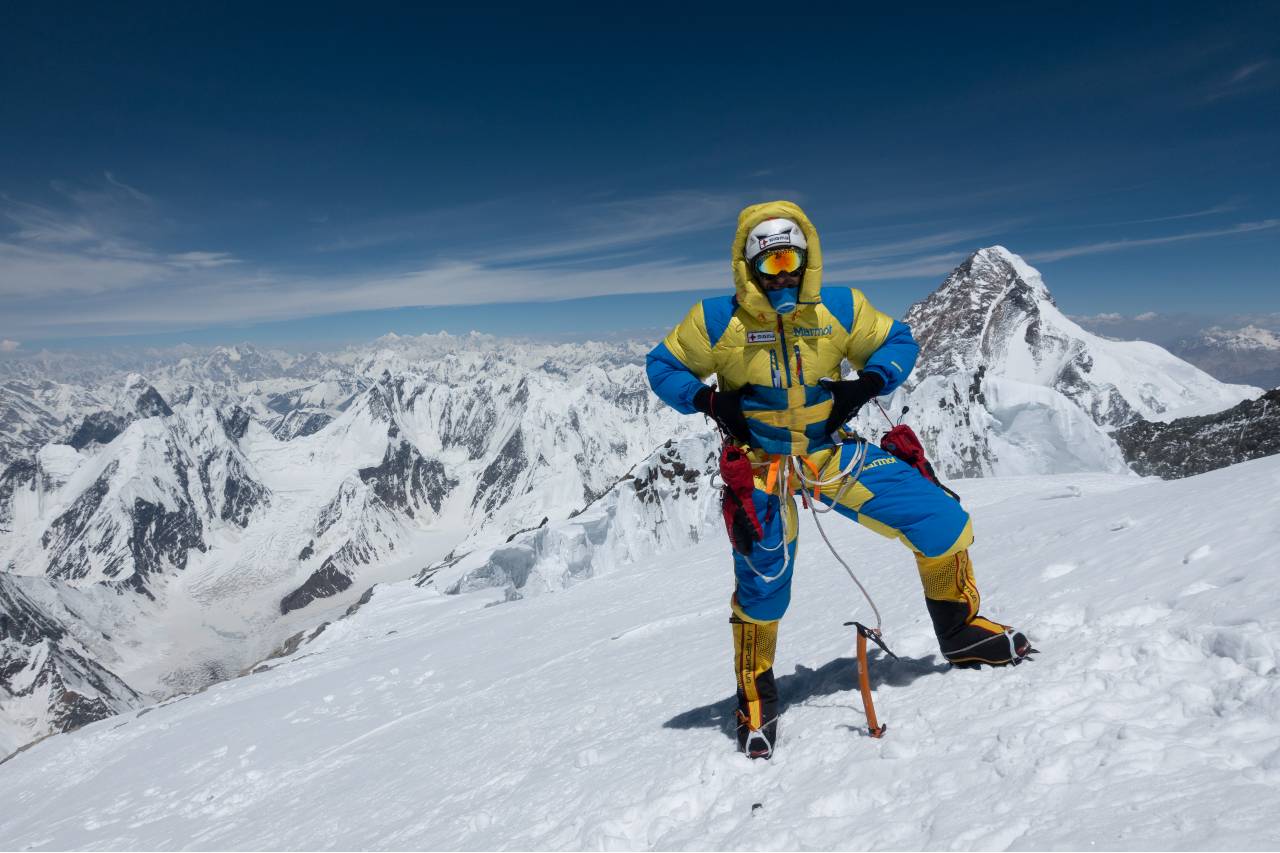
(1250,354)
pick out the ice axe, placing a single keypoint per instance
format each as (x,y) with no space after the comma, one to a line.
(864,679)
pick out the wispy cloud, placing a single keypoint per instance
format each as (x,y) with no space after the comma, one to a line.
(231,298)
(1215,210)
(7,345)
(66,268)
(1120,245)
(201,260)
(86,267)
(968,237)
(522,229)
(610,225)
(89,244)
(133,192)
(1246,71)
(919,267)
(1246,79)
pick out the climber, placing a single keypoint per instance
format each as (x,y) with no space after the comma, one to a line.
(776,346)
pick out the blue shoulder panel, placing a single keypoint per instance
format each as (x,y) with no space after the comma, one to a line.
(717,311)
(839,301)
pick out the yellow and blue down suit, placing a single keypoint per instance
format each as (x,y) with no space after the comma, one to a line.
(777,360)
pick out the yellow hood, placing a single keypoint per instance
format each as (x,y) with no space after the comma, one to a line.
(750,296)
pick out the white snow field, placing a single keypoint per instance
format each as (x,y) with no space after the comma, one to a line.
(597,717)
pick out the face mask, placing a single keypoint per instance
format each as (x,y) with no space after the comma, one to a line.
(784,300)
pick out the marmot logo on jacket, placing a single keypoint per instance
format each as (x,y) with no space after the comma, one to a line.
(812,331)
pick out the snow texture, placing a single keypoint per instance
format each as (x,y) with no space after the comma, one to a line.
(598,717)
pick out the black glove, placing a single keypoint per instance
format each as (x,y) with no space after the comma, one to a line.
(725,408)
(848,396)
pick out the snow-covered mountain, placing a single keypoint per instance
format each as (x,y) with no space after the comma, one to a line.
(1250,354)
(1007,384)
(599,717)
(196,520)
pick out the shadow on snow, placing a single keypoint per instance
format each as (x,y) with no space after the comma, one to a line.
(837,676)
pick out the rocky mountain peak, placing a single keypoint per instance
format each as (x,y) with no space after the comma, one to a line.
(141,399)
(962,323)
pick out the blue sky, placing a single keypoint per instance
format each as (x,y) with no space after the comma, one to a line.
(320,174)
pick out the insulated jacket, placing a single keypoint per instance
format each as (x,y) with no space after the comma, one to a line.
(777,359)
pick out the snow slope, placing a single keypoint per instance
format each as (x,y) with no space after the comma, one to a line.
(597,716)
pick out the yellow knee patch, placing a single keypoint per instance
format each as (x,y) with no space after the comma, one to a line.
(754,644)
(950,578)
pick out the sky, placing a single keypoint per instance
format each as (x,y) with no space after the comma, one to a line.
(323,174)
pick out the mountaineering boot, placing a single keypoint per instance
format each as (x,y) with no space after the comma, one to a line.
(965,638)
(753,647)
(970,641)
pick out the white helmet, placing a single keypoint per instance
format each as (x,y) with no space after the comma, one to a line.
(773,233)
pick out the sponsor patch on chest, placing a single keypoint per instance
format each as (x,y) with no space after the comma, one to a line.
(762,337)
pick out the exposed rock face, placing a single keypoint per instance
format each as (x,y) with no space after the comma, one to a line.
(19,476)
(299,423)
(499,477)
(406,481)
(1189,446)
(98,428)
(70,536)
(151,405)
(326,581)
(51,680)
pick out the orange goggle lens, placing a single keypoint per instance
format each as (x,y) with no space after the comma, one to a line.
(780,261)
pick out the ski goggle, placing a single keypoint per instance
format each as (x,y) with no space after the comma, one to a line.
(780,262)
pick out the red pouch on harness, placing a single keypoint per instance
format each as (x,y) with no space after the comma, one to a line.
(903,443)
(738,508)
